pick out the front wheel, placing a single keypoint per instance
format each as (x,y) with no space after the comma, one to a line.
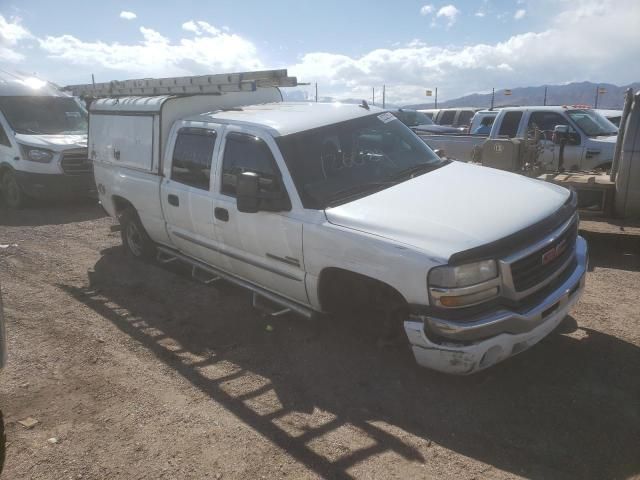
(12,194)
(135,239)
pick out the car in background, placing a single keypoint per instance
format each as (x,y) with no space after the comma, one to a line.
(455,117)
(614,116)
(419,122)
(482,122)
(430,112)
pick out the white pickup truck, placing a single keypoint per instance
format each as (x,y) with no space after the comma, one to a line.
(591,144)
(321,207)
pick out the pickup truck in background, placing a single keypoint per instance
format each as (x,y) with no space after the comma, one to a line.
(590,146)
(419,122)
(455,117)
(325,208)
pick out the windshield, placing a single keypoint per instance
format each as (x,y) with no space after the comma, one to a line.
(336,163)
(411,118)
(44,115)
(592,123)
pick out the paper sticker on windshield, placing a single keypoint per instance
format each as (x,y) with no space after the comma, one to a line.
(387,117)
(72,114)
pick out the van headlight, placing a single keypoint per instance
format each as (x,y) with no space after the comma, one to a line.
(464,285)
(35,154)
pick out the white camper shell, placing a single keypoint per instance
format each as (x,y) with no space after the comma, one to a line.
(43,140)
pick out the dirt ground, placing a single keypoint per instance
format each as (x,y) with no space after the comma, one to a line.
(141,373)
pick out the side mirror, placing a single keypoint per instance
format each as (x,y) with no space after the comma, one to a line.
(439,152)
(248,200)
(560,134)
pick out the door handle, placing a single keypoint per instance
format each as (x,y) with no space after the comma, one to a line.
(173,200)
(221,214)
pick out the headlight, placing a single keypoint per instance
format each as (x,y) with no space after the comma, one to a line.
(463,275)
(464,285)
(35,154)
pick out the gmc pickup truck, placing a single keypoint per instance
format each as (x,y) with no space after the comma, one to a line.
(591,143)
(322,207)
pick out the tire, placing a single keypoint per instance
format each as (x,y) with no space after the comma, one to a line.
(12,194)
(135,238)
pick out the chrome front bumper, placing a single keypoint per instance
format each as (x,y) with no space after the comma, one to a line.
(484,341)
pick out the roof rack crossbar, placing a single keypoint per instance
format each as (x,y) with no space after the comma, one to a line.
(194,85)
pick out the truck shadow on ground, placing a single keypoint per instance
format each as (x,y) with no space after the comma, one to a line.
(566,408)
(613,251)
(57,212)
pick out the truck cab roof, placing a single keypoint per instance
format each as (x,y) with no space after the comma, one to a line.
(285,118)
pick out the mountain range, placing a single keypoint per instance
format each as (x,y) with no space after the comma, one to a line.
(579,93)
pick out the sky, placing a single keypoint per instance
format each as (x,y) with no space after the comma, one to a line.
(348,47)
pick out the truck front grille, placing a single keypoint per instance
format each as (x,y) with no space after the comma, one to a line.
(538,266)
(76,163)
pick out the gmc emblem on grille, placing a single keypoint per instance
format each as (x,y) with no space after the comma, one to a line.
(553,253)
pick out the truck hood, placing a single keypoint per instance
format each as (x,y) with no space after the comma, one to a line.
(452,209)
(57,143)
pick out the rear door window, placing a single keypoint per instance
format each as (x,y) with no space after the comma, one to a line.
(447,117)
(510,124)
(464,119)
(192,155)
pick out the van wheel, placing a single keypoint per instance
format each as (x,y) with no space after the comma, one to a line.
(11,192)
(135,239)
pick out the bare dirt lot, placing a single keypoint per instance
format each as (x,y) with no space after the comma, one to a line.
(141,373)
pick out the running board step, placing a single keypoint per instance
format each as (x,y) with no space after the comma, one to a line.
(265,308)
(199,270)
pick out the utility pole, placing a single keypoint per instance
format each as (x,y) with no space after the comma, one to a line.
(384,96)
(373,95)
(436,102)
(545,96)
(599,91)
(93,80)
(316,91)
(493,97)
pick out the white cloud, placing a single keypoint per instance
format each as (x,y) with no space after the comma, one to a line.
(426,10)
(11,33)
(200,28)
(450,13)
(209,51)
(127,15)
(521,60)
(520,14)
(480,14)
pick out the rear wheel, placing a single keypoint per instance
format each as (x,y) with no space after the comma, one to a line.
(135,239)
(12,194)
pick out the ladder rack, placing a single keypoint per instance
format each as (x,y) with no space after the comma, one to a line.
(194,85)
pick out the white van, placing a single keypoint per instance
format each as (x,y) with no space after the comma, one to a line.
(43,142)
